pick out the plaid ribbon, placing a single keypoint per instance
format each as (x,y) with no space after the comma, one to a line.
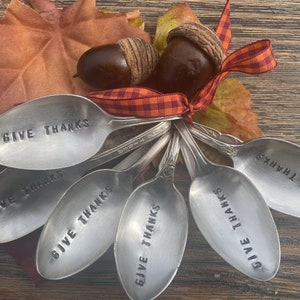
(255,58)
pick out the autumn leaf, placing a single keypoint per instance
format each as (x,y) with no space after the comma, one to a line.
(230,111)
(40,46)
(175,16)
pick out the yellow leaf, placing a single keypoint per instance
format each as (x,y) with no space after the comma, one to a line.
(175,16)
(230,111)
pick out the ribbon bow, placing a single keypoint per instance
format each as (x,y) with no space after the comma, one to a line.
(255,58)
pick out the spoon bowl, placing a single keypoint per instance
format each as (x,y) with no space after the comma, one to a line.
(231,214)
(152,232)
(47,133)
(83,225)
(27,197)
(273,165)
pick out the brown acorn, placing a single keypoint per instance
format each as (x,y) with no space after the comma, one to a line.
(193,55)
(128,62)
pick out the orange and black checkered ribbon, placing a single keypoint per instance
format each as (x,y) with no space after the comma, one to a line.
(142,102)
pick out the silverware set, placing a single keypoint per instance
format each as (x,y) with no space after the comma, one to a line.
(54,177)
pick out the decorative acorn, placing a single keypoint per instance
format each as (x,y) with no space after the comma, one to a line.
(128,62)
(193,55)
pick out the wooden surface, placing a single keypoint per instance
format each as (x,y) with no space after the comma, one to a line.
(276,96)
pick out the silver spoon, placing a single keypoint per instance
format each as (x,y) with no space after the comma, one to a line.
(231,213)
(84,223)
(57,131)
(152,232)
(27,197)
(272,164)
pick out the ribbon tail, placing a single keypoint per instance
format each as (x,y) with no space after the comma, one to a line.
(255,58)
(223,29)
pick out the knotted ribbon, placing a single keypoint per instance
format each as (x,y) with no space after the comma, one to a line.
(254,58)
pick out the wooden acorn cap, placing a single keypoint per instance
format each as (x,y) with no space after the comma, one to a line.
(141,57)
(204,37)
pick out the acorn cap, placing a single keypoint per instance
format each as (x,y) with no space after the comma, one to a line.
(141,57)
(204,37)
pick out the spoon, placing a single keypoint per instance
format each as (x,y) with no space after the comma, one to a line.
(83,225)
(57,131)
(272,164)
(27,197)
(152,232)
(231,213)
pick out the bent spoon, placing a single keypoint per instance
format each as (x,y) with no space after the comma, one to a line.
(231,213)
(152,232)
(83,225)
(273,165)
(57,131)
(27,197)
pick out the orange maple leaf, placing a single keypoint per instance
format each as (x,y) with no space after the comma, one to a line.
(39,51)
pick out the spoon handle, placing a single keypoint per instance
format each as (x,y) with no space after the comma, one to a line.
(135,142)
(200,162)
(167,164)
(226,138)
(146,159)
(120,122)
(225,148)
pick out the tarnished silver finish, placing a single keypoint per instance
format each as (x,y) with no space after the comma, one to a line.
(57,131)
(152,232)
(226,138)
(231,214)
(27,197)
(84,223)
(272,164)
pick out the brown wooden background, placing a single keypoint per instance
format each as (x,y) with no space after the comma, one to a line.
(276,96)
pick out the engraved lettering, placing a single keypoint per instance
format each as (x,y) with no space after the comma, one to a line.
(66,127)
(54,254)
(245,241)
(141,271)
(227,209)
(256,265)
(77,124)
(93,207)
(252,256)
(4,203)
(279,168)
(70,127)
(54,128)
(63,127)
(87,213)
(66,241)
(48,179)
(147,235)
(286,171)
(146,241)
(82,220)
(85,122)
(235,226)
(235,223)
(16,136)
(149,227)
(292,177)
(268,161)
(247,250)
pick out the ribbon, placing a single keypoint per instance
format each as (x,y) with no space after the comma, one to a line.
(255,58)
